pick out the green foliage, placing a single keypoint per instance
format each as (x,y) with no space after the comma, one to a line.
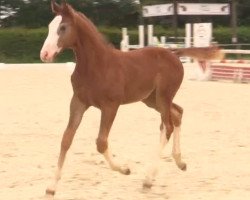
(23,45)
(37,13)
(34,14)
(20,45)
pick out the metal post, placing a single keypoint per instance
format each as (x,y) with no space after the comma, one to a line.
(234,21)
(141,20)
(0,13)
(175,20)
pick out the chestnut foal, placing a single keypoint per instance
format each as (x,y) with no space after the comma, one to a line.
(106,78)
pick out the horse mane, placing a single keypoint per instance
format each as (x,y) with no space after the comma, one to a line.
(90,28)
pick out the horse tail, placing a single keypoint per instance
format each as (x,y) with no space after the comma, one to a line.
(200,53)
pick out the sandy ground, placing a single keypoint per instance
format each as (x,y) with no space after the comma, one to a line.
(34,104)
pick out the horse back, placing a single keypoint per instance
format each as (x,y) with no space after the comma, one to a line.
(144,68)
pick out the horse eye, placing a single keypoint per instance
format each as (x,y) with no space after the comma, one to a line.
(62,28)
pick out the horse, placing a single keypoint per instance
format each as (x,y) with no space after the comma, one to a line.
(106,78)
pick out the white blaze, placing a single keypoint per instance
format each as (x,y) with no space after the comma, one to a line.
(50,47)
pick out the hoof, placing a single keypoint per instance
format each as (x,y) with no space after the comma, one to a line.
(123,169)
(126,171)
(50,192)
(182,166)
(147,185)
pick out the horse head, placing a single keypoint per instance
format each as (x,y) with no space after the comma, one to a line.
(61,34)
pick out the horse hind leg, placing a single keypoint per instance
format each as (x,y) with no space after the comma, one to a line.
(150,101)
(176,113)
(165,105)
(152,169)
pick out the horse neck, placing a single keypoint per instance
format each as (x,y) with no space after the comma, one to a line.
(90,49)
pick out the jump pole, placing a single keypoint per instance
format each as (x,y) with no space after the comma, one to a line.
(125,46)
(141,38)
(188,35)
(125,40)
(150,35)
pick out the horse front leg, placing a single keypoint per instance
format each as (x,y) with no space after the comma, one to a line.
(77,108)
(107,117)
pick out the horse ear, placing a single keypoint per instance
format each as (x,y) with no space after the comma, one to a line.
(55,7)
(66,9)
(64,2)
